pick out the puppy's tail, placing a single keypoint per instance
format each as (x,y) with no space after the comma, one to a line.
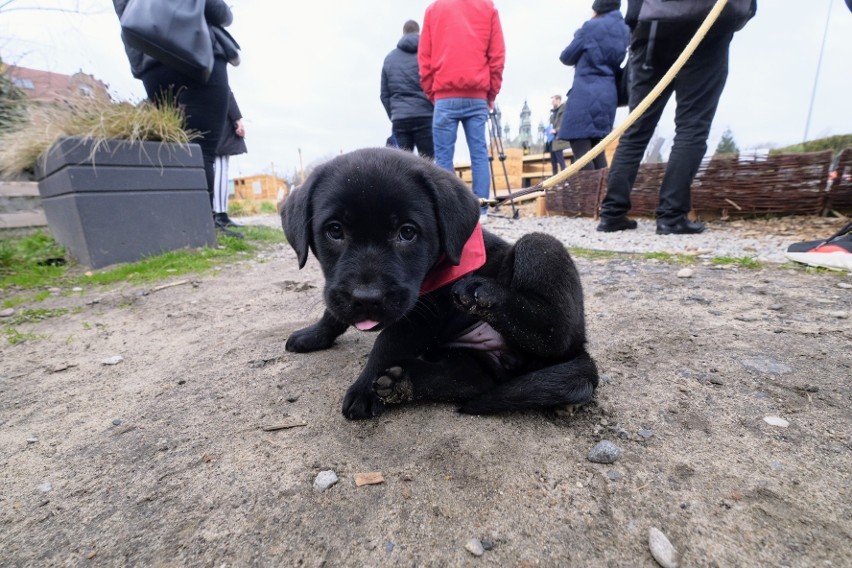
(571,382)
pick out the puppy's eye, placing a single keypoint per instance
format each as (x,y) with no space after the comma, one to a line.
(407,233)
(334,231)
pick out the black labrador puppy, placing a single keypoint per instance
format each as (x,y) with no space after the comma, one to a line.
(462,315)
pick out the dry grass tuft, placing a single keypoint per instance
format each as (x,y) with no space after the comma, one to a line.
(92,119)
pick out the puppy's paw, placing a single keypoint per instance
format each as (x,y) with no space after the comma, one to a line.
(308,339)
(360,403)
(394,386)
(476,295)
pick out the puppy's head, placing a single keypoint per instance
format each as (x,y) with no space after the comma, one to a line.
(377,220)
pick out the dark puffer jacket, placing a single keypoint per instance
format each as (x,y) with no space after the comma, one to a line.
(402,95)
(597,50)
(230,144)
(216,12)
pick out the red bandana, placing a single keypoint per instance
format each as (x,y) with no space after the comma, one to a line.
(443,273)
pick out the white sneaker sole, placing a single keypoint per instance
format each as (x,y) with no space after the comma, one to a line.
(831,260)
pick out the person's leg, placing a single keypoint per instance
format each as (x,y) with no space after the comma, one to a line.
(445,126)
(475,116)
(220,185)
(206,110)
(698,88)
(422,132)
(579,148)
(404,136)
(554,163)
(599,162)
(631,146)
(560,159)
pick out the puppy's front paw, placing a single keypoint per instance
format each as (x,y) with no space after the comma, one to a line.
(394,386)
(476,295)
(312,338)
(360,403)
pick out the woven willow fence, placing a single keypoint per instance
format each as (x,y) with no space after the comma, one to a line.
(784,184)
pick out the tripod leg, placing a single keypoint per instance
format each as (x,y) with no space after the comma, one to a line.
(499,143)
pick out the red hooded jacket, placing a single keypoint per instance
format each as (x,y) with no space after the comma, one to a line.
(461,52)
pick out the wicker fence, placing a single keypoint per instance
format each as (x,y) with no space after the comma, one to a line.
(784,184)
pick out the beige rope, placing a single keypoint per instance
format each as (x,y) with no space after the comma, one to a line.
(640,108)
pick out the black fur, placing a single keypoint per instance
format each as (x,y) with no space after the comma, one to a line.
(377,220)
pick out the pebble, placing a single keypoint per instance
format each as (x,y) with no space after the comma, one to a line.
(661,549)
(844,285)
(474,546)
(116,422)
(776,421)
(8,312)
(646,433)
(32,440)
(325,479)
(685,273)
(839,314)
(776,465)
(45,487)
(613,475)
(114,360)
(76,289)
(604,452)
(776,307)
(765,365)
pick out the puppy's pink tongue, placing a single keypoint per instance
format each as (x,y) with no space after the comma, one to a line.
(366,325)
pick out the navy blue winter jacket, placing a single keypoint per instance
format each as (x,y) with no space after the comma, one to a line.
(402,95)
(597,50)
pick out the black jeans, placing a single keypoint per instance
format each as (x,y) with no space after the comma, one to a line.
(557,160)
(415,133)
(205,107)
(581,146)
(697,89)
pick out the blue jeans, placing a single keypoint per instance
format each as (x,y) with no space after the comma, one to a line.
(472,113)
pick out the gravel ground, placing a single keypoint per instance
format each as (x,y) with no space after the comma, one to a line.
(765,240)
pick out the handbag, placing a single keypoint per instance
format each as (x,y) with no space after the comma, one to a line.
(228,44)
(174,32)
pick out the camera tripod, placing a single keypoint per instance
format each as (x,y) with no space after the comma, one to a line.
(497,144)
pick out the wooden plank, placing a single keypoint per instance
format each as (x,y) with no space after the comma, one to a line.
(22,219)
(19,189)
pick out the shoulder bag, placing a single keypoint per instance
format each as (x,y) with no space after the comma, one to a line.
(174,32)
(228,44)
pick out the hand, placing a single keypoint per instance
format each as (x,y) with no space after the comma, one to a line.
(490,106)
(239,128)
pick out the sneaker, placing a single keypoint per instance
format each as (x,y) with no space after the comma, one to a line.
(834,253)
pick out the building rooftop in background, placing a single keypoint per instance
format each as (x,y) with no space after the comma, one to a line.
(45,86)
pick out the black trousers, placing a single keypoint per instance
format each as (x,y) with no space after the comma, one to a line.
(557,161)
(697,89)
(205,107)
(415,133)
(581,146)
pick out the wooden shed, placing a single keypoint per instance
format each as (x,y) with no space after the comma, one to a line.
(258,188)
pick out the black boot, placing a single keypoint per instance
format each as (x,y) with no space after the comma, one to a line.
(228,221)
(220,220)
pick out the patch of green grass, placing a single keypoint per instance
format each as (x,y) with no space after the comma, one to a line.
(14,336)
(743,262)
(669,258)
(268,208)
(34,315)
(592,254)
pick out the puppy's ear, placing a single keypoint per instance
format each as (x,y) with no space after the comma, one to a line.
(296,219)
(456,209)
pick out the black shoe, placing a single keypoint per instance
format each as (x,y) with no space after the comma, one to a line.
(222,228)
(681,227)
(614,224)
(225,221)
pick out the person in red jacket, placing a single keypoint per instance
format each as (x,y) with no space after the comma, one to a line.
(461,58)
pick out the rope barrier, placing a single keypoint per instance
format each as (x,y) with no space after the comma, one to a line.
(631,118)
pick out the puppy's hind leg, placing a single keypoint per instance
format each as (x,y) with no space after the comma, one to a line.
(571,382)
(456,376)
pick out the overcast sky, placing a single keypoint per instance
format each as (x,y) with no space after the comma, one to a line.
(310,75)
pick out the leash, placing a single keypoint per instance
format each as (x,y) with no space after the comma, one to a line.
(634,115)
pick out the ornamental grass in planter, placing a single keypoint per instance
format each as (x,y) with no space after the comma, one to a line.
(118,181)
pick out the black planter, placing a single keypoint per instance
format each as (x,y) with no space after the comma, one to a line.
(125,201)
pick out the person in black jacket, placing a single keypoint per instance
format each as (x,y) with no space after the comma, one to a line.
(205,105)
(408,108)
(654,47)
(231,143)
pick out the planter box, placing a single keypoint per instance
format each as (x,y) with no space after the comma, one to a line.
(125,201)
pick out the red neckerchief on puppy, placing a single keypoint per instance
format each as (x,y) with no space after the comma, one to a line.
(443,273)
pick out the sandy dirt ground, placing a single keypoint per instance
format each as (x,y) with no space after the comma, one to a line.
(177,455)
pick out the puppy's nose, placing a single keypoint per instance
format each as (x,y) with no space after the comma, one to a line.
(366,298)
